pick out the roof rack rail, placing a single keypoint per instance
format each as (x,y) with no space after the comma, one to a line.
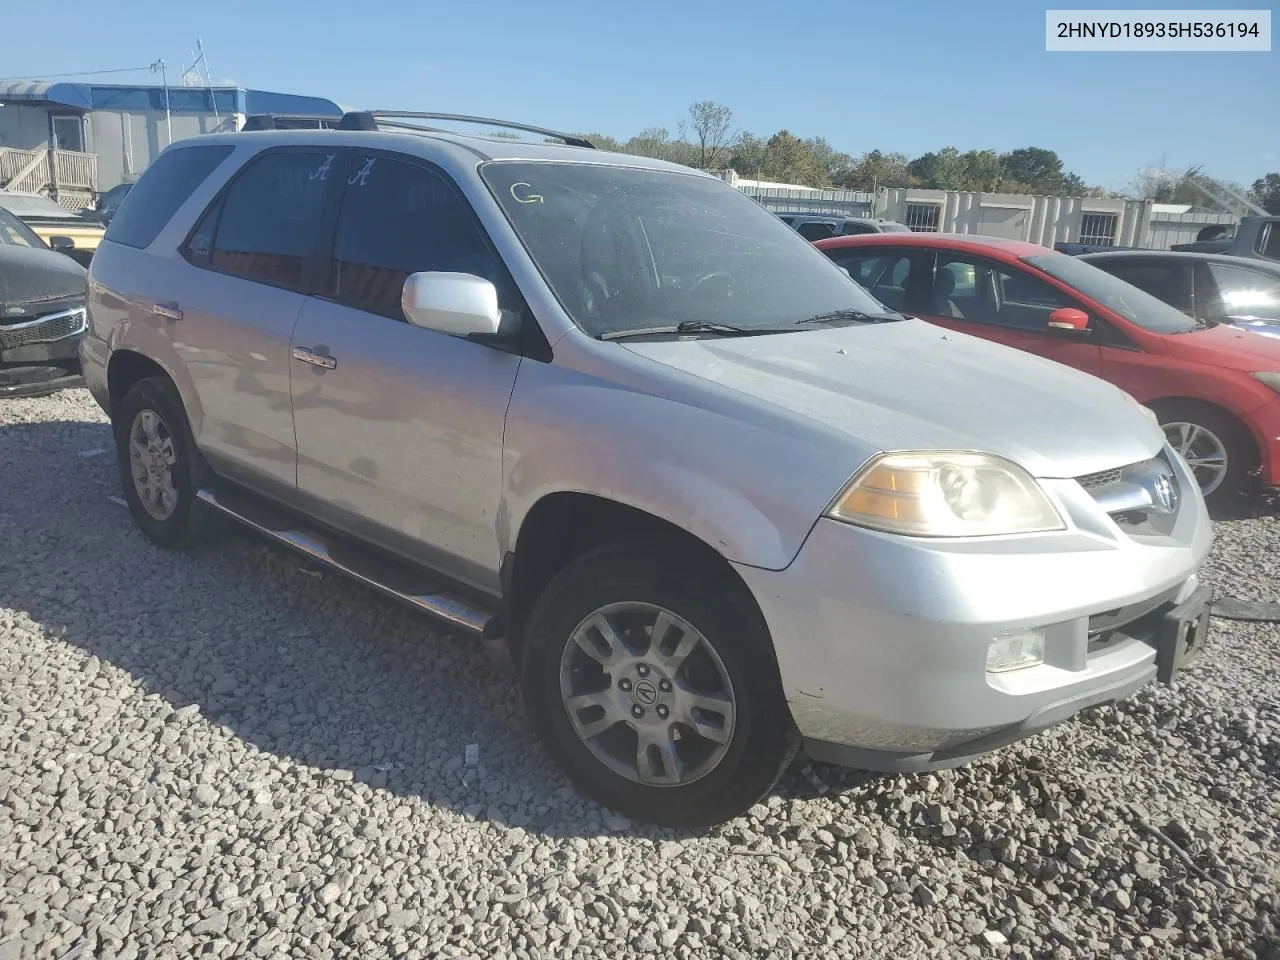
(368,120)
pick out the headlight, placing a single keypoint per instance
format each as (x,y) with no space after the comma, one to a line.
(1272,380)
(945,495)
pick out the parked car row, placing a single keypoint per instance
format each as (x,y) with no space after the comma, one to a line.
(1215,389)
(42,315)
(721,502)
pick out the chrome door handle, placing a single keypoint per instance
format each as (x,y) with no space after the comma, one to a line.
(169,311)
(316,359)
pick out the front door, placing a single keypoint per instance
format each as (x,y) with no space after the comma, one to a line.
(1000,302)
(399,429)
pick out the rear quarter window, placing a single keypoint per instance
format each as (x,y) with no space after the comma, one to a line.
(161,191)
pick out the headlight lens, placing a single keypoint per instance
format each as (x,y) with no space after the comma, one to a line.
(1272,380)
(946,495)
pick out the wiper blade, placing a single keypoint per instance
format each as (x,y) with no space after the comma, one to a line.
(851,316)
(693,326)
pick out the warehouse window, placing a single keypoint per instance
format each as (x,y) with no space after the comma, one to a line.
(1098,229)
(923,217)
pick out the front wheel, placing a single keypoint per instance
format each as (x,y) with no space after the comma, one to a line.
(651,678)
(1216,447)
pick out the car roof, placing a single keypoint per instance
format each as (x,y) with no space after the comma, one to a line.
(420,142)
(1185,255)
(32,205)
(976,243)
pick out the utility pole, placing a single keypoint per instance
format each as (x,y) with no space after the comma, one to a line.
(164,79)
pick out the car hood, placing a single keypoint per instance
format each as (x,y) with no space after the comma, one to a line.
(910,385)
(29,275)
(1230,346)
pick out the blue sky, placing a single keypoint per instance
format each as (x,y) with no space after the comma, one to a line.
(907,76)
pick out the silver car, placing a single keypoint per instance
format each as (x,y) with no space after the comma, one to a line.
(721,504)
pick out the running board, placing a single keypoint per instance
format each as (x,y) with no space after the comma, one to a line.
(395,579)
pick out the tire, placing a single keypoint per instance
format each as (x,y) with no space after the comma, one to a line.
(176,520)
(1202,434)
(717,653)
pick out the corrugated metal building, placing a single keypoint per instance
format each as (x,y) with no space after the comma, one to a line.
(1037,219)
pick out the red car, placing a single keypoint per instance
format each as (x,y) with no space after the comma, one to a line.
(1216,389)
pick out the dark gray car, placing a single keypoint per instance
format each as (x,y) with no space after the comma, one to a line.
(1213,288)
(42,318)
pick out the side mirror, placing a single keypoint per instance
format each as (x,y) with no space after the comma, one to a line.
(459,304)
(1069,319)
(62,244)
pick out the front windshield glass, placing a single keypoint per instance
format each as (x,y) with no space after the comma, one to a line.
(627,249)
(14,231)
(1113,293)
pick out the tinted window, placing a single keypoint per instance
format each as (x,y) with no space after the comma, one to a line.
(627,249)
(1269,241)
(162,190)
(814,230)
(1171,282)
(853,227)
(399,218)
(1113,293)
(1239,292)
(265,226)
(883,274)
(969,288)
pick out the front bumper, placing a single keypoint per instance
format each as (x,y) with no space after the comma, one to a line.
(41,356)
(882,640)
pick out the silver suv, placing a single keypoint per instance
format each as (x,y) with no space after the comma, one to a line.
(720,503)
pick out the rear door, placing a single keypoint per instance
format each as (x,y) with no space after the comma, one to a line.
(399,428)
(1004,303)
(251,256)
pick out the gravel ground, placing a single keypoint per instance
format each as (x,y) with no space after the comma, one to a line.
(226,754)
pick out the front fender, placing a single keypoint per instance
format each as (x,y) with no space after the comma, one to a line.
(750,487)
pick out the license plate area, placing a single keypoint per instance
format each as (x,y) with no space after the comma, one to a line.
(1182,634)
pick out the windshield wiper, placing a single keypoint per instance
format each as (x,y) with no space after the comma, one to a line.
(693,326)
(850,316)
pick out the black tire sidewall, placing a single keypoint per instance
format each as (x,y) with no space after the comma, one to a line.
(160,397)
(764,740)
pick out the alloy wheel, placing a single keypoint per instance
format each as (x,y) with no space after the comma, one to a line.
(1203,450)
(152,458)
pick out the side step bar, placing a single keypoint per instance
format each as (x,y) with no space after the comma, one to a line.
(393,579)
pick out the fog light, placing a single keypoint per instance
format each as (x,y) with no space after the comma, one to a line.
(1024,649)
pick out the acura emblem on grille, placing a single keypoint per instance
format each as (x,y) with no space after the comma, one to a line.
(1166,493)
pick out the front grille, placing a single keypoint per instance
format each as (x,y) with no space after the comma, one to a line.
(46,329)
(1131,497)
(1100,479)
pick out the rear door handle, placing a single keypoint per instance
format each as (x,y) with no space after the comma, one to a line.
(315,359)
(169,311)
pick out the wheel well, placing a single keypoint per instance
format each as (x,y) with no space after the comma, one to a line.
(1169,404)
(127,368)
(563,526)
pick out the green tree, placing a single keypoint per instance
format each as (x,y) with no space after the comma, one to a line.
(788,159)
(875,169)
(1037,167)
(940,170)
(982,170)
(833,163)
(748,156)
(1265,192)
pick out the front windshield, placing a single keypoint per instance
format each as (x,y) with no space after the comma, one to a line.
(627,249)
(1115,294)
(14,231)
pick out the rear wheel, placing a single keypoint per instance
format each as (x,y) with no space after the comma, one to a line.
(651,678)
(1216,447)
(160,468)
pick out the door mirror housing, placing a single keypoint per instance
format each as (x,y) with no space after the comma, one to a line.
(62,244)
(1069,320)
(459,304)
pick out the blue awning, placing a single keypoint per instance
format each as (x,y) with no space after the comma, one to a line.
(78,96)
